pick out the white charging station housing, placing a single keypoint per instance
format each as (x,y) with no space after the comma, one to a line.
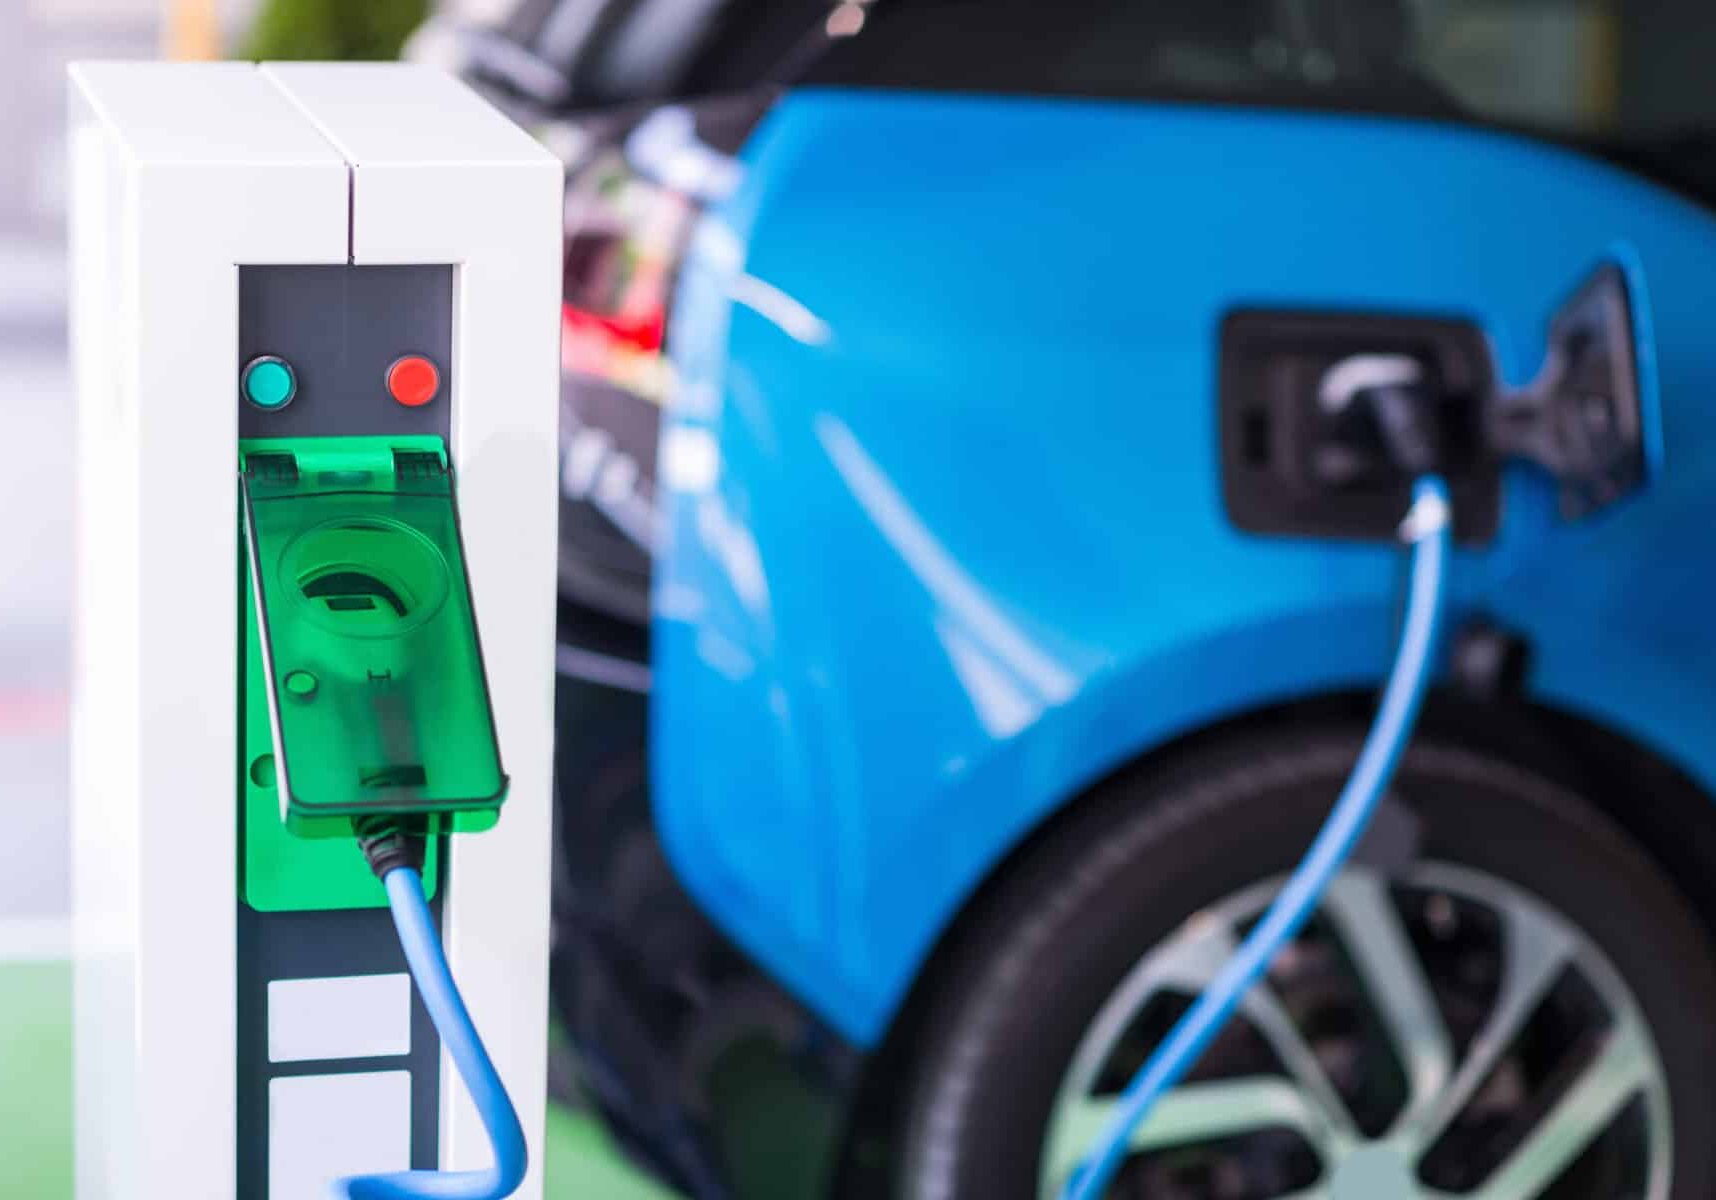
(181,175)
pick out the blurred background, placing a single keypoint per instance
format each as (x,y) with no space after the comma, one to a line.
(37,39)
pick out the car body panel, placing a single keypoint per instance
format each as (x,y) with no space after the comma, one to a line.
(943,533)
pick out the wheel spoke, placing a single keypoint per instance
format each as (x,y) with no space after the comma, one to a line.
(1192,961)
(1362,908)
(1188,1115)
(1271,1019)
(1613,1077)
(1534,951)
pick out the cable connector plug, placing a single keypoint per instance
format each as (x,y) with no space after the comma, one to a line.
(1429,516)
(389,842)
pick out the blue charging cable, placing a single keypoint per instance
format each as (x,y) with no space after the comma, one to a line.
(428,963)
(1426,528)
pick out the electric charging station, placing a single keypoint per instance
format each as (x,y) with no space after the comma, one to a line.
(315,346)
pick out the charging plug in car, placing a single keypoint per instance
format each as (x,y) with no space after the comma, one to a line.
(1382,420)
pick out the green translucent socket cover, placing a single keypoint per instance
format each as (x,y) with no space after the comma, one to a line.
(375,678)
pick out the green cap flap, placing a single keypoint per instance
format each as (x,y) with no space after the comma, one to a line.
(376,689)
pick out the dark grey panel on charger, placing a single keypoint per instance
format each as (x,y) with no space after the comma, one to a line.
(340,328)
(322,945)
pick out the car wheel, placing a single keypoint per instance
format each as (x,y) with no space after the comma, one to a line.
(1504,998)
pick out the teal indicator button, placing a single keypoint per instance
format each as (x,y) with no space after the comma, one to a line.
(269,382)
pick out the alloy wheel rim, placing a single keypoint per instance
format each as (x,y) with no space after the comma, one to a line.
(1449,1087)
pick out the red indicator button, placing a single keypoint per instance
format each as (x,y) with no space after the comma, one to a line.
(413,380)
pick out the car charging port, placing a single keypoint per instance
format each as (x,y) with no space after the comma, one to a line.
(1327,418)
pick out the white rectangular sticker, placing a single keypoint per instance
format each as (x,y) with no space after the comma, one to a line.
(326,1127)
(360,1016)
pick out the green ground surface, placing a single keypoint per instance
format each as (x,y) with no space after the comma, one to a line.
(36,1109)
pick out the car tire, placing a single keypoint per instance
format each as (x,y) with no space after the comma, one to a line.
(1023,977)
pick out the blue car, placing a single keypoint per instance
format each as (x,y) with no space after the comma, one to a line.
(972,600)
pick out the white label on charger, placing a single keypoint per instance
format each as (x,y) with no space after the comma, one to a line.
(326,1127)
(359,1016)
